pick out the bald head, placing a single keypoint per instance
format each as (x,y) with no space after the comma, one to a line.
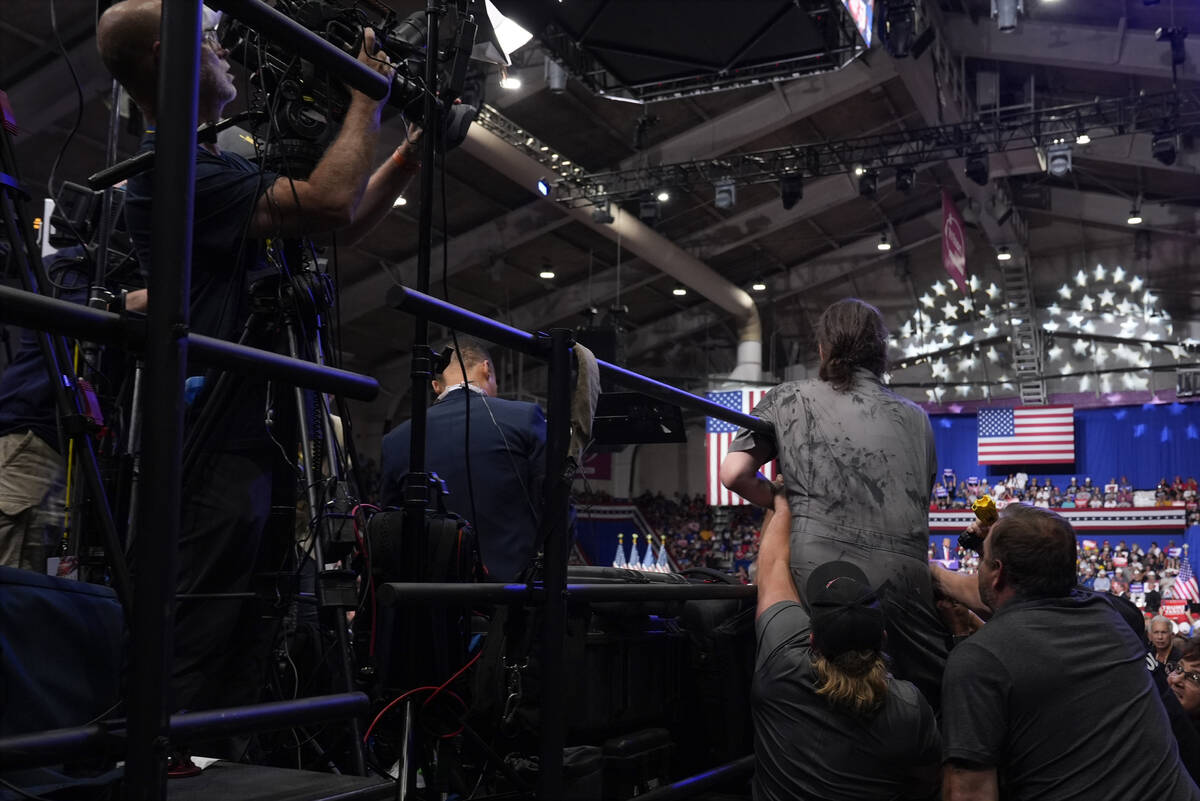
(127,38)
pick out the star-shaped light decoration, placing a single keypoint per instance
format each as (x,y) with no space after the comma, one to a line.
(1087,303)
(1064,292)
(993,291)
(991,330)
(974,283)
(939,288)
(992,355)
(1050,325)
(1081,347)
(927,301)
(1054,309)
(1081,278)
(1135,284)
(966,363)
(1075,320)
(950,310)
(1118,274)
(1107,297)
(1055,353)
(964,338)
(1099,272)
(966,304)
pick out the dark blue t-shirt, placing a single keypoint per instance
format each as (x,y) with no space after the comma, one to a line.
(225,260)
(26,397)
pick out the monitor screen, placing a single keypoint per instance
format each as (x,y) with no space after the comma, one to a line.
(863,14)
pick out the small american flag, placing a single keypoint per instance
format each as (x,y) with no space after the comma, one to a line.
(1027,435)
(720,434)
(1185,583)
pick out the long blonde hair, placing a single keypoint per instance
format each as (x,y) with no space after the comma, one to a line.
(853,681)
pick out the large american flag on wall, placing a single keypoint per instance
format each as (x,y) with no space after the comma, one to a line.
(720,434)
(1027,435)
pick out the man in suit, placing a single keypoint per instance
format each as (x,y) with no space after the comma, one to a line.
(495,479)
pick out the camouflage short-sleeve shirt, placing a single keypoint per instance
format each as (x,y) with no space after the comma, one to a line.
(858,465)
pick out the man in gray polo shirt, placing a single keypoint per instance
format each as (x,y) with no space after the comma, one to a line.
(1020,709)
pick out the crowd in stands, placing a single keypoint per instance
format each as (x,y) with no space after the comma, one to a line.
(1049,492)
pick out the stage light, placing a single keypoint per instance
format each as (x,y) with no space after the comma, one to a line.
(1003,254)
(905,178)
(543,187)
(1175,36)
(791,190)
(858,170)
(546,274)
(1135,216)
(663,196)
(399,201)
(884,243)
(759,285)
(725,194)
(898,28)
(1005,13)
(679,291)
(1164,147)
(510,82)
(1058,159)
(602,214)
(868,183)
(649,212)
(1082,138)
(977,166)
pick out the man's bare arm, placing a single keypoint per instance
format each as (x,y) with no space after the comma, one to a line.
(774,578)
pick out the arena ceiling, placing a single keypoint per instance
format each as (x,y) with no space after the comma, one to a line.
(501,234)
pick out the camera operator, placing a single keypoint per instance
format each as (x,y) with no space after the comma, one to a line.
(220,647)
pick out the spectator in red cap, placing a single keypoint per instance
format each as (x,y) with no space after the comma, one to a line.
(829,720)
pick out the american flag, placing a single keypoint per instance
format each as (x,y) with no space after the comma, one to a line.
(720,434)
(1185,583)
(1027,435)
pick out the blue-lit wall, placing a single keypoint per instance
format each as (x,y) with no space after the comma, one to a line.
(1144,443)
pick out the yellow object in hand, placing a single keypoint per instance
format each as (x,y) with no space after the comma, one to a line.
(985,509)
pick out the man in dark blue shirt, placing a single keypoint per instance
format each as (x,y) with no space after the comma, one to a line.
(506,455)
(219,649)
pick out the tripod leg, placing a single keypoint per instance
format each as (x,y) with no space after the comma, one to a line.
(316,510)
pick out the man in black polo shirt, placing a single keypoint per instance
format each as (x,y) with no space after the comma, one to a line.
(1019,713)
(829,721)
(238,207)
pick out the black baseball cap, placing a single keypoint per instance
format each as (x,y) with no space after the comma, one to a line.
(844,610)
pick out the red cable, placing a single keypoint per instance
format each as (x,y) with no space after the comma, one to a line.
(435,690)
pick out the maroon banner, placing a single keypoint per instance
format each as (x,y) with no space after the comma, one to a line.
(954,242)
(598,466)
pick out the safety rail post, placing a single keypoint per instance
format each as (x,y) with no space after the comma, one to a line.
(162,405)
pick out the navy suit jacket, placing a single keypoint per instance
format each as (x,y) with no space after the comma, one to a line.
(508,462)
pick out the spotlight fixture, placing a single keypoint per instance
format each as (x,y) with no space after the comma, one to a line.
(977,166)
(1165,147)
(663,196)
(791,190)
(725,193)
(543,187)
(868,183)
(759,285)
(510,82)
(1005,13)
(884,244)
(1082,138)
(1003,254)
(546,274)
(898,23)
(399,201)
(648,212)
(1175,36)
(1058,159)
(858,169)
(679,291)
(905,178)
(602,214)
(1135,216)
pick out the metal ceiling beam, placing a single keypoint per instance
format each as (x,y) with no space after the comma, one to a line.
(794,101)
(849,261)
(1133,150)
(480,245)
(1103,209)
(1115,49)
